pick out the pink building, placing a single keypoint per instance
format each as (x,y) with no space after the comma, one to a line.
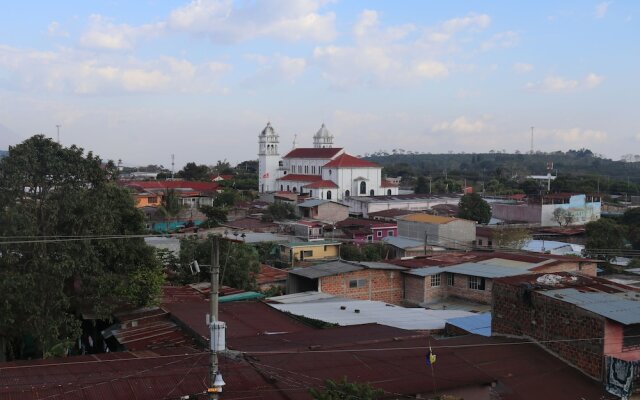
(367,230)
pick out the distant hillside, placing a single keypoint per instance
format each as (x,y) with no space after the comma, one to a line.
(3,153)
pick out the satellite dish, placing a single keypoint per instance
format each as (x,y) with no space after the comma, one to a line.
(195,268)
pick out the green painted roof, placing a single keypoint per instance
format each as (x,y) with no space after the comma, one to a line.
(240,297)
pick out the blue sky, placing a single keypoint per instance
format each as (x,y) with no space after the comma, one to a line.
(141,80)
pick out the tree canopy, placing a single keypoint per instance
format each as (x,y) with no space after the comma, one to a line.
(194,172)
(604,239)
(57,204)
(474,208)
(345,390)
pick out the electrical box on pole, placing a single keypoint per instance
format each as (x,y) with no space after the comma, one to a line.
(218,331)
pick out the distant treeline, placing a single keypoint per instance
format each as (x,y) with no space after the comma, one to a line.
(503,173)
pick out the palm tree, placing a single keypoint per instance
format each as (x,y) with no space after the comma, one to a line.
(170,206)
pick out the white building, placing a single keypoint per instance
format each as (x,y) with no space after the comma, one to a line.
(321,171)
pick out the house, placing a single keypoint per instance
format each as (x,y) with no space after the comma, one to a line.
(401,247)
(308,229)
(321,171)
(551,210)
(361,230)
(270,277)
(389,215)
(591,323)
(470,275)
(191,194)
(323,210)
(363,206)
(313,250)
(254,224)
(440,231)
(363,281)
(484,237)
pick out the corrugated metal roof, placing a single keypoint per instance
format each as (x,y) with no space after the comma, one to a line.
(427,218)
(325,269)
(311,243)
(401,242)
(622,307)
(313,203)
(380,265)
(478,324)
(301,297)
(484,270)
(372,312)
(426,271)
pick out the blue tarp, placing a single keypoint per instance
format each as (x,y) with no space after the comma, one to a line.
(478,324)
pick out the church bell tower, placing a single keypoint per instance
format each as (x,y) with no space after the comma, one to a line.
(268,158)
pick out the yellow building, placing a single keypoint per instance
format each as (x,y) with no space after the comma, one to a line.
(310,251)
(147,199)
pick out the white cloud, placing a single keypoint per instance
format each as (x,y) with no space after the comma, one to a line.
(278,68)
(54,29)
(638,136)
(559,84)
(431,69)
(472,21)
(78,72)
(522,68)
(461,125)
(602,8)
(578,136)
(284,19)
(501,40)
(103,34)
(592,80)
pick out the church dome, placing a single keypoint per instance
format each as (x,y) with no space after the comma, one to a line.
(268,130)
(323,133)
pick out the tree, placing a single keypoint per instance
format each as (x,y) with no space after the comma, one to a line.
(239,262)
(194,172)
(279,211)
(170,206)
(513,238)
(604,239)
(631,220)
(215,216)
(474,208)
(421,185)
(345,390)
(562,216)
(48,192)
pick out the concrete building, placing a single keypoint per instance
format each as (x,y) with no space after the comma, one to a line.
(551,210)
(362,206)
(323,210)
(591,323)
(439,231)
(315,250)
(360,230)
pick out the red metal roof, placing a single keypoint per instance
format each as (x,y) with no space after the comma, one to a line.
(306,152)
(361,222)
(321,184)
(392,212)
(201,186)
(348,161)
(269,274)
(301,178)
(250,223)
(387,184)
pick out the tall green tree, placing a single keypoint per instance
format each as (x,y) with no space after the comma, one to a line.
(195,172)
(631,220)
(53,202)
(604,239)
(421,185)
(170,207)
(345,390)
(473,207)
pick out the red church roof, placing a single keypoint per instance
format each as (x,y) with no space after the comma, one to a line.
(349,161)
(321,184)
(301,178)
(303,152)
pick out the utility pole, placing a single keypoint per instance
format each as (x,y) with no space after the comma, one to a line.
(58,129)
(215,380)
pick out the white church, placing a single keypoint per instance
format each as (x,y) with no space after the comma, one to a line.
(321,171)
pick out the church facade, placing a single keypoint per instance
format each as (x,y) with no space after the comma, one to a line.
(321,171)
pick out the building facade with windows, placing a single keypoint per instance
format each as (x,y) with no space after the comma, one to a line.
(321,171)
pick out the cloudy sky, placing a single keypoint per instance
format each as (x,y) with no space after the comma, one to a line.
(140,80)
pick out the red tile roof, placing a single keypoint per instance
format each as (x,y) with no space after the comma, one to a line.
(361,222)
(312,152)
(321,184)
(269,274)
(301,178)
(387,184)
(348,161)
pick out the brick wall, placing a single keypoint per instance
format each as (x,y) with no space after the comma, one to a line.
(461,289)
(381,285)
(519,312)
(413,289)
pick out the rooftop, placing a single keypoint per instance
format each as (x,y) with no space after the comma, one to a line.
(406,198)
(429,219)
(301,178)
(348,161)
(326,269)
(311,243)
(391,213)
(315,153)
(321,184)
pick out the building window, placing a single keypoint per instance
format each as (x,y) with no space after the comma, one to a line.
(300,169)
(450,279)
(153,200)
(390,232)
(479,242)
(490,243)
(310,192)
(287,188)
(435,280)
(372,193)
(370,238)
(295,189)
(388,192)
(279,163)
(379,233)
(306,169)
(281,188)
(329,172)
(347,193)
(328,194)
(357,283)
(631,335)
(363,187)
(476,283)
(313,169)
(307,253)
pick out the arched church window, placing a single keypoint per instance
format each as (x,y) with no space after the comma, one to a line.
(310,193)
(281,188)
(363,187)
(287,188)
(295,189)
(347,193)
(388,192)
(372,193)
(328,194)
